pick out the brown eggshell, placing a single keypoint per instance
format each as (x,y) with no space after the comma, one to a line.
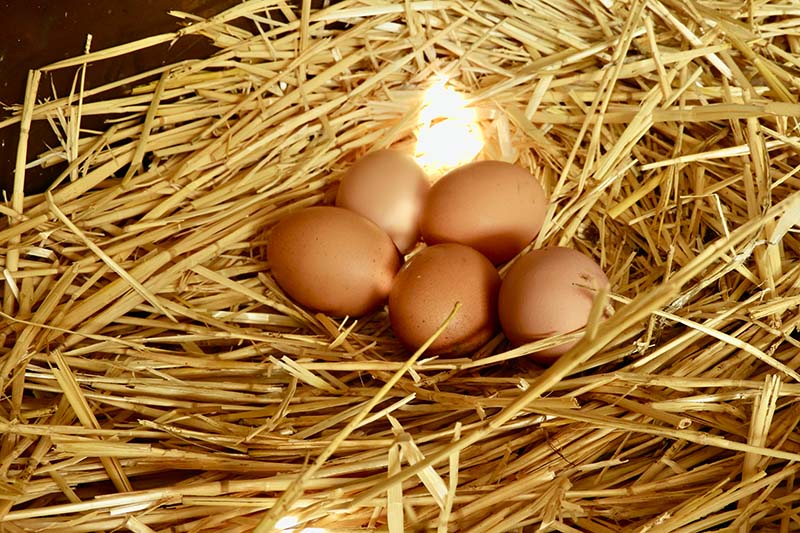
(429,285)
(389,188)
(332,260)
(547,292)
(495,207)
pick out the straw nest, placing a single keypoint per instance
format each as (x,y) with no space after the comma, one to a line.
(154,378)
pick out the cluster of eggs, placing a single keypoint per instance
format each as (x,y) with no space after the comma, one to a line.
(347,259)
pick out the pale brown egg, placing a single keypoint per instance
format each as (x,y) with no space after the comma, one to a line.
(548,292)
(495,207)
(332,260)
(389,188)
(427,288)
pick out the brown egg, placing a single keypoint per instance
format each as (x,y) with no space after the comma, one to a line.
(429,285)
(495,207)
(389,188)
(332,260)
(548,292)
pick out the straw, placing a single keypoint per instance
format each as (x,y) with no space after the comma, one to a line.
(155,377)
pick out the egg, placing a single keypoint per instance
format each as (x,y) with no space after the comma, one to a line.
(547,292)
(389,188)
(426,290)
(332,260)
(495,207)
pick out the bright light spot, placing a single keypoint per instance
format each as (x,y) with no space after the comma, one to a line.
(449,134)
(287,522)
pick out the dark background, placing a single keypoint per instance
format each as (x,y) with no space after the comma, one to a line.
(35,34)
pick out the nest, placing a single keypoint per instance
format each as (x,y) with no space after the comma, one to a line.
(155,378)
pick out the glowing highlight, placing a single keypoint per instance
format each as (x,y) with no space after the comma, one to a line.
(449,135)
(287,524)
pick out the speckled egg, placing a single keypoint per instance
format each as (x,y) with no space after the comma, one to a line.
(332,260)
(389,188)
(548,292)
(426,290)
(495,207)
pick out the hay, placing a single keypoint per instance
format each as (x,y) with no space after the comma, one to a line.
(155,378)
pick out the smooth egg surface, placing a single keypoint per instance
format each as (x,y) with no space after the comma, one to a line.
(495,207)
(547,292)
(389,188)
(332,260)
(426,290)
